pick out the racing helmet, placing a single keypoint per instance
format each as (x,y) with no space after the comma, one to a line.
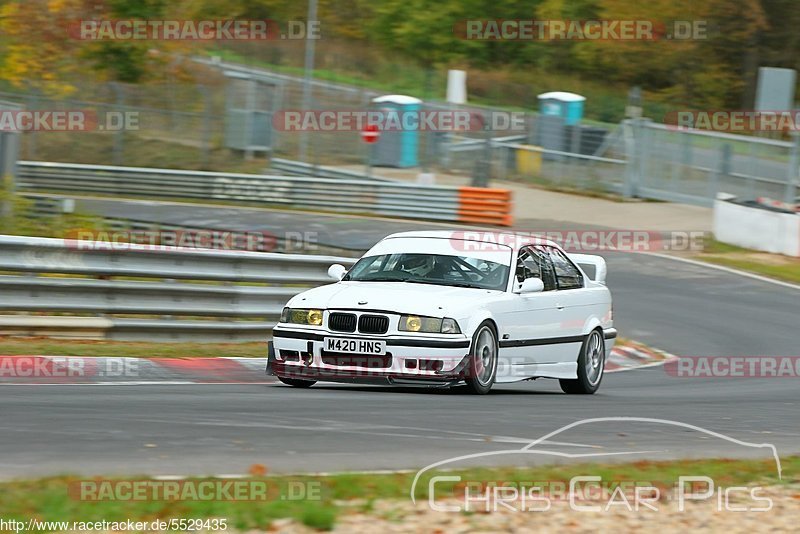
(418,264)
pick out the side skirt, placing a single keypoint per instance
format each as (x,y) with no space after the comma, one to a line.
(518,373)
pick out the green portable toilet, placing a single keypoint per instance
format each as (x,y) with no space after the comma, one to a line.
(397,148)
(568,106)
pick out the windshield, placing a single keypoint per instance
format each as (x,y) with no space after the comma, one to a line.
(444,270)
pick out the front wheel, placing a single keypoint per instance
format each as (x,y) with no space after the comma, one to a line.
(591,363)
(483,360)
(296,382)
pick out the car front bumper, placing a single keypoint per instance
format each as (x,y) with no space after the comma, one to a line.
(409,360)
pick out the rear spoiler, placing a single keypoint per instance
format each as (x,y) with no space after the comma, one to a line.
(597,263)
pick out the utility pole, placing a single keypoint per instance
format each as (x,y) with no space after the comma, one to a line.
(6,179)
(9,154)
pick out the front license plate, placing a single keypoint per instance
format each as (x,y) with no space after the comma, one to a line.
(355,346)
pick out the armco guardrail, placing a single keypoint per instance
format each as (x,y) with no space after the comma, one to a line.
(298,168)
(46,205)
(137,292)
(374,198)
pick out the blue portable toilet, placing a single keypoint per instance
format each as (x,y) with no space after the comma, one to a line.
(397,148)
(568,106)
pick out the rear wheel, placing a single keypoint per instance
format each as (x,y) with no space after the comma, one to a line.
(591,363)
(296,382)
(483,360)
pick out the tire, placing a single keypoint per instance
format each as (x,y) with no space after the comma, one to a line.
(591,366)
(296,382)
(482,369)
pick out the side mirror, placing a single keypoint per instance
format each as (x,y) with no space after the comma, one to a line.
(531,285)
(337,271)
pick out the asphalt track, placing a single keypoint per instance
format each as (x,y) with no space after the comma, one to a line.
(223,429)
(217,430)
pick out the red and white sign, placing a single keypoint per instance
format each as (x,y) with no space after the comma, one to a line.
(371,134)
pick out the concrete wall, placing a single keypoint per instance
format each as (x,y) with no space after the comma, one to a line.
(756,228)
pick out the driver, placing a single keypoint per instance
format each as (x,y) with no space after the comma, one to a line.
(417,265)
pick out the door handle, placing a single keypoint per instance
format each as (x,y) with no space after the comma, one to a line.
(560,306)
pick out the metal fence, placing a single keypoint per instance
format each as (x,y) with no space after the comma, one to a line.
(581,158)
(637,157)
(188,126)
(144,292)
(640,158)
(191,125)
(693,166)
(185,118)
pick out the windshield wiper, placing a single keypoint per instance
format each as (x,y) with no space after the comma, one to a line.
(461,284)
(415,281)
(447,284)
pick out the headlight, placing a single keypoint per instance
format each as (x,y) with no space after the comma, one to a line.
(311,317)
(450,326)
(314,317)
(434,325)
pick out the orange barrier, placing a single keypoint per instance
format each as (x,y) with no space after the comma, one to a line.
(485,206)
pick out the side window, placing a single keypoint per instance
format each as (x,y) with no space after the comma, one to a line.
(548,272)
(535,263)
(527,266)
(567,275)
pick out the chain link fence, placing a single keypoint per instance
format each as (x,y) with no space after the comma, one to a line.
(694,165)
(199,126)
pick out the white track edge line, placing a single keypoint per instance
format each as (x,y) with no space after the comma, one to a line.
(723,268)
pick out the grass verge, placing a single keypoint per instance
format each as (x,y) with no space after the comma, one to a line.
(775,266)
(31,346)
(326,497)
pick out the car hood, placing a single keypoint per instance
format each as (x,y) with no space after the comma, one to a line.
(398,297)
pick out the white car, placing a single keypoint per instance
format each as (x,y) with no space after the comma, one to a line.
(447,308)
